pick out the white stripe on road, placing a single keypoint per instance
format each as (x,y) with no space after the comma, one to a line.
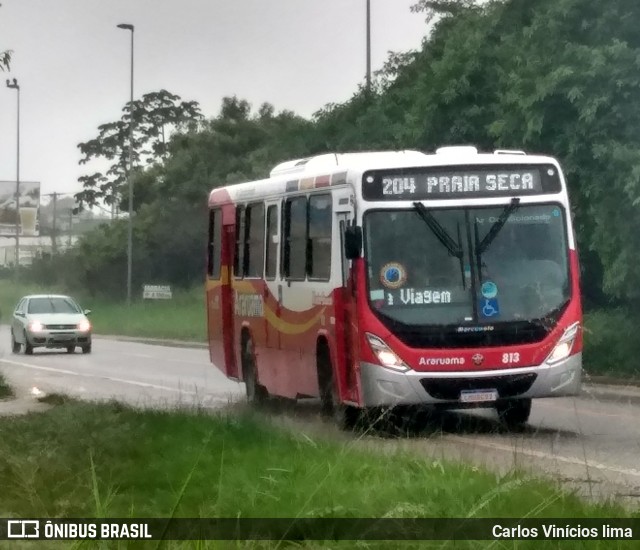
(183,361)
(539,454)
(121,380)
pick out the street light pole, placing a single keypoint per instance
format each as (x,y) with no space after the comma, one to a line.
(368,45)
(14,85)
(129,178)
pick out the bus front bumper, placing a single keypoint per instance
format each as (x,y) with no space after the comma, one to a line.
(382,387)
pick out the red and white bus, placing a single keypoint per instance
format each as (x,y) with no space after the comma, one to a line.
(398,278)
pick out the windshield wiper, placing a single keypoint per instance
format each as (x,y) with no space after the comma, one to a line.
(440,232)
(497,226)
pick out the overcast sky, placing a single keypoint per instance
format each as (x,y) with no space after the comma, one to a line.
(72,63)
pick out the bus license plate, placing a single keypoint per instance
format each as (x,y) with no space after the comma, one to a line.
(478,396)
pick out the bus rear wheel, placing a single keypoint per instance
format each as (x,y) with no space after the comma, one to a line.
(346,417)
(514,413)
(256,393)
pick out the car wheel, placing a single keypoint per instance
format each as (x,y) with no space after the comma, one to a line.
(28,348)
(71,349)
(86,349)
(15,346)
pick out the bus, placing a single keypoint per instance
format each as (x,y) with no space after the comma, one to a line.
(379,280)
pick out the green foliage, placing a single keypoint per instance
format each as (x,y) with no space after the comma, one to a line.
(5,60)
(170,194)
(559,77)
(611,347)
(155,115)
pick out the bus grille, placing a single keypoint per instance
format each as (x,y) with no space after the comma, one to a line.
(510,385)
(449,338)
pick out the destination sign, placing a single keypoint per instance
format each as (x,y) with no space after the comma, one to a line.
(458,183)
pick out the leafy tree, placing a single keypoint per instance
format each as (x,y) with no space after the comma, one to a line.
(560,77)
(169,229)
(155,115)
(5,60)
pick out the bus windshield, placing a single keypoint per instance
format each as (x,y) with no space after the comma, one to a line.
(467,266)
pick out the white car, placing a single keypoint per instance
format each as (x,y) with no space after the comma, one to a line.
(50,321)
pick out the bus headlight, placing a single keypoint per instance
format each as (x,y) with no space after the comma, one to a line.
(384,354)
(564,346)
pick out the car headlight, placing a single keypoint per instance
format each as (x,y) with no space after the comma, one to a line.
(84,326)
(36,326)
(385,355)
(563,348)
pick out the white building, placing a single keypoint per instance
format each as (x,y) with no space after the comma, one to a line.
(31,247)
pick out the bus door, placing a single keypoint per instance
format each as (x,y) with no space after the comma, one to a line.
(347,319)
(272,284)
(227,297)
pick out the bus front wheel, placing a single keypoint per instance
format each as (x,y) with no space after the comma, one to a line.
(514,413)
(345,416)
(256,393)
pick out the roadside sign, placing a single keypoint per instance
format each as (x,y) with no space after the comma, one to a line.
(156,292)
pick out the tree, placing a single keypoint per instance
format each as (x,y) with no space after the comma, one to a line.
(155,116)
(169,229)
(560,77)
(5,60)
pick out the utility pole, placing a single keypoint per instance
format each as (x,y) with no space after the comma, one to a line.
(54,236)
(15,86)
(70,224)
(129,27)
(368,46)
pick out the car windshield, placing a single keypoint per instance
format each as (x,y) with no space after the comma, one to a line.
(467,266)
(52,305)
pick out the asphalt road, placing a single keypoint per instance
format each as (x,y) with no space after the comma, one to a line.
(589,443)
(138,374)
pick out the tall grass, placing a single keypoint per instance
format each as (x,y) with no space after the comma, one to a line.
(131,463)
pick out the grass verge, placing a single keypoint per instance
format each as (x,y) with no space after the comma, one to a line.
(132,463)
(182,318)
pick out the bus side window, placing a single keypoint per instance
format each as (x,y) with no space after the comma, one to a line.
(238,259)
(272,242)
(214,255)
(319,251)
(254,241)
(295,239)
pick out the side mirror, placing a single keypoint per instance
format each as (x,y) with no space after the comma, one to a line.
(19,314)
(87,311)
(352,242)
